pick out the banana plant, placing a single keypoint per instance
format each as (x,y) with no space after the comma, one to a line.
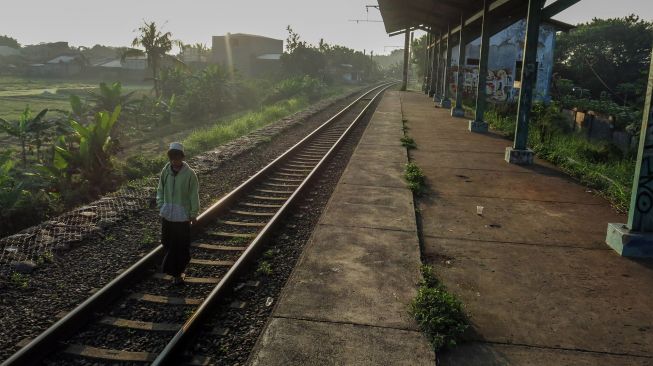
(109,97)
(26,128)
(91,158)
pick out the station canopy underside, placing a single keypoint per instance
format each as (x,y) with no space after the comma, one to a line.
(441,15)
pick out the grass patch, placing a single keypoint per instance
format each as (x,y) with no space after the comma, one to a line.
(264,268)
(596,164)
(440,315)
(408,142)
(224,131)
(19,280)
(415,178)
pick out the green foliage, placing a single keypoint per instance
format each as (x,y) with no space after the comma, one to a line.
(19,280)
(27,128)
(440,315)
(598,164)
(157,44)
(139,166)
(415,178)
(89,155)
(221,132)
(418,54)
(155,112)
(408,142)
(108,98)
(9,42)
(324,61)
(607,50)
(305,85)
(264,268)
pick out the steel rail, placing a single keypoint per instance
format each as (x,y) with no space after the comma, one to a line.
(47,342)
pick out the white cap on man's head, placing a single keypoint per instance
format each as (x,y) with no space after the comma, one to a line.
(176,146)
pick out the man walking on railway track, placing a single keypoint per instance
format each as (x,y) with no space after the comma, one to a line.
(177,198)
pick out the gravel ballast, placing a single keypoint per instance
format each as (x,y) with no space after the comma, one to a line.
(29,303)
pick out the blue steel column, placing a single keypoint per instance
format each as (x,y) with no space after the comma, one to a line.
(518,153)
(434,68)
(427,63)
(459,111)
(479,124)
(446,102)
(635,239)
(438,71)
(404,81)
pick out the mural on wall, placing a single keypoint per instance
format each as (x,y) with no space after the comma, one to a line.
(504,64)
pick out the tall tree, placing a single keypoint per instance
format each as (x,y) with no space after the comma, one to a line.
(156,44)
(8,41)
(604,53)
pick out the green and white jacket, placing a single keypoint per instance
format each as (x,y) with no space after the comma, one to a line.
(177,195)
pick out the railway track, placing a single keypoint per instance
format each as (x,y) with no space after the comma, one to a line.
(142,317)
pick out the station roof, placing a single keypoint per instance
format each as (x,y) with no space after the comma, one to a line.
(440,14)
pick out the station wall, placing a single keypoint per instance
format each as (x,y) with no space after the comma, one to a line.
(504,64)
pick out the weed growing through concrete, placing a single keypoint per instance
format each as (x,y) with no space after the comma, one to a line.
(440,315)
(264,268)
(408,142)
(19,280)
(415,178)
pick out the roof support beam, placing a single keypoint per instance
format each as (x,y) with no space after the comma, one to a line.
(557,7)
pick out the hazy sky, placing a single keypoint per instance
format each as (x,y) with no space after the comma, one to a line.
(112,22)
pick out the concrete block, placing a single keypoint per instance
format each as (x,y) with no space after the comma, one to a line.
(629,243)
(519,157)
(458,112)
(478,126)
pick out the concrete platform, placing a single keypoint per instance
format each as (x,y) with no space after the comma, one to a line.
(534,272)
(346,303)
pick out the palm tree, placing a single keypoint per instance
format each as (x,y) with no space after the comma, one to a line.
(157,45)
(24,128)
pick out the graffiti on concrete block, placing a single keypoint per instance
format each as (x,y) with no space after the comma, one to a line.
(504,64)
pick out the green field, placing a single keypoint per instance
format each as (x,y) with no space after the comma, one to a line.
(18,92)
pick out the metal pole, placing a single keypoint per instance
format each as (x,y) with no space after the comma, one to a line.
(635,239)
(459,111)
(446,101)
(434,68)
(427,64)
(479,124)
(438,74)
(404,82)
(519,154)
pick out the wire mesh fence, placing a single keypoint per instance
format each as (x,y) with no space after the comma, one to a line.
(32,246)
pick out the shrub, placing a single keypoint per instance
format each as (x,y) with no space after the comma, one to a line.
(305,86)
(440,315)
(224,131)
(408,142)
(415,178)
(139,166)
